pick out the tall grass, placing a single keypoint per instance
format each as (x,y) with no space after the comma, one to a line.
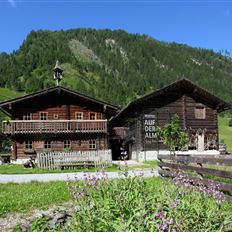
(139,204)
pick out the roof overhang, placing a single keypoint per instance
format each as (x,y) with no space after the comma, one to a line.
(183,86)
(8,105)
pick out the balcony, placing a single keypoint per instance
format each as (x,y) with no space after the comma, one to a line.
(14,127)
(121,132)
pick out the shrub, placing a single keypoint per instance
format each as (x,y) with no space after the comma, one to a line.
(230,122)
(139,204)
(172,135)
(143,204)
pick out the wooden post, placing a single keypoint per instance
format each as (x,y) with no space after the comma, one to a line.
(184,111)
(14,151)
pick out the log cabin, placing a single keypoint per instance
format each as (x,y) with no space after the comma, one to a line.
(133,129)
(56,119)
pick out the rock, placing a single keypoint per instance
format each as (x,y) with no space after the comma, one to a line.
(29,164)
(59,220)
(38,214)
(56,217)
(24,226)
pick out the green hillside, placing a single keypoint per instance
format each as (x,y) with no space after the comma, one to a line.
(112,65)
(225,132)
(6,94)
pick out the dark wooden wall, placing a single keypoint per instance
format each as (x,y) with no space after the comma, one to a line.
(184,107)
(79,142)
(58,145)
(64,112)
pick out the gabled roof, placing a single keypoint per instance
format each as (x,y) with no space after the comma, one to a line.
(59,90)
(182,86)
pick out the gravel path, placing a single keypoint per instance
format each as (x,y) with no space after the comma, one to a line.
(24,178)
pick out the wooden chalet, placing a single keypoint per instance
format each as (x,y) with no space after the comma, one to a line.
(133,128)
(56,119)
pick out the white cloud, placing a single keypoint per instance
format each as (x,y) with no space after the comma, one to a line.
(12,3)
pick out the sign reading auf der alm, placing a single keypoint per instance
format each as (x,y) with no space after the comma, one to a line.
(149,127)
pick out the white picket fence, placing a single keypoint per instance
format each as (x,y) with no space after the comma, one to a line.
(60,160)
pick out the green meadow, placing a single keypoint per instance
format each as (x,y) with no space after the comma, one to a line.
(29,196)
(225,132)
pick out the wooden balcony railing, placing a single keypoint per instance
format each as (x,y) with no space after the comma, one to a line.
(54,126)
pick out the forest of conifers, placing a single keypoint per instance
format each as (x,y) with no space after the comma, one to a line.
(112,65)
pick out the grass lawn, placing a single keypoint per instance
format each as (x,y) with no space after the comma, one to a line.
(19,169)
(33,195)
(25,197)
(225,132)
(159,193)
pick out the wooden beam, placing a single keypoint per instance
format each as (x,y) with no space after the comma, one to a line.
(205,181)
(208,171)
(224,160)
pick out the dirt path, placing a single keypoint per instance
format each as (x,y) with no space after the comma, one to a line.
(24,178)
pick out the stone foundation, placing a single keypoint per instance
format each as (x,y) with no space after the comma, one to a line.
(152,155)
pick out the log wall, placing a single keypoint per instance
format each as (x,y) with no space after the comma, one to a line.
(184,107)
(59,111)
(58,146)
(64,112)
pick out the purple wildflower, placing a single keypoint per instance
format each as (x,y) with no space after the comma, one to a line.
(169,221)
(159,215)
(164,227)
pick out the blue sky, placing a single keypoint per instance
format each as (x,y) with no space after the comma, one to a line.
(206,24)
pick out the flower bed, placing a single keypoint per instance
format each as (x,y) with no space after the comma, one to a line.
(142,204)
(139,204)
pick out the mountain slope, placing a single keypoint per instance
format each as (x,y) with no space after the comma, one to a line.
(112,65)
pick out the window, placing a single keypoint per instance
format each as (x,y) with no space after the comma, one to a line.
(47,145)
(200,112)
(27,116)
(79,115)
(92,116)
(28,145)
(67,144)
(43,115)
(92,144)
(55,116)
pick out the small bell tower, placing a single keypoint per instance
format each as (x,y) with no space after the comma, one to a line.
(57,73)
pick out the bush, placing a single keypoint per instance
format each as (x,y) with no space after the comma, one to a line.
(139,204)
(143,204)
(230,122)
(172,135)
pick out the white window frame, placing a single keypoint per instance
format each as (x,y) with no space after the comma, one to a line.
(93,113)
(27,116)
(47,144)
(80,114)
(67,144)
(201,115)
(28,145)
(42,114)
(92,144)
(55,116)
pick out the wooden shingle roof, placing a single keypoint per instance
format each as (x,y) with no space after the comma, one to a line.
(182,86)
(8,105)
